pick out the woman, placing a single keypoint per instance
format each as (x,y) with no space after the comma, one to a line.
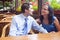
(48,20)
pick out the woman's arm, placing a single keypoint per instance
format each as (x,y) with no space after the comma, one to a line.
(56,22)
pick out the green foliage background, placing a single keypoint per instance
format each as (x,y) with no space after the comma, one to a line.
(55,5)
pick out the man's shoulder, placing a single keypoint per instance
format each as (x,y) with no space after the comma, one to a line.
(16,16)
(30,17)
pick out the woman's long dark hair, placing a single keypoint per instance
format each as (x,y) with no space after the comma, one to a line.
(50,15)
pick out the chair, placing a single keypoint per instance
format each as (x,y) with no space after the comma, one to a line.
(7,18)
(2,24)
(1,16)
(5,30)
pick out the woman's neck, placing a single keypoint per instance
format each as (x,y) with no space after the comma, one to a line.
(46,17)
(45,20)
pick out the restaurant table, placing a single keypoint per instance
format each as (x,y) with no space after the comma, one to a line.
(48,36)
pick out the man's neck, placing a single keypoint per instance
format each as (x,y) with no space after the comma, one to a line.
(25,14)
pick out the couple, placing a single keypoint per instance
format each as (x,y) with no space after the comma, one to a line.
(23,23)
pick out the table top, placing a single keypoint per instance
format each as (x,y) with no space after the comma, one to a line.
(49,36)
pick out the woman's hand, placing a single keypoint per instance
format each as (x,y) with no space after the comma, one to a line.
(53,32)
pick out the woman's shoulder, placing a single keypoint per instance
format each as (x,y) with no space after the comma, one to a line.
(54,17)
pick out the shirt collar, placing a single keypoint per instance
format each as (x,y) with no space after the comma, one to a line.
(24,16)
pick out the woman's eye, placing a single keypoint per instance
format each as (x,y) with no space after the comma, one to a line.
(45,9)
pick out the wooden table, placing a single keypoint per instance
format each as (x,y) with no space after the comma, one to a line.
(49,36)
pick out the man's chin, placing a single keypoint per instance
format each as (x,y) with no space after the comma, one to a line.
(31,13)
(28,15)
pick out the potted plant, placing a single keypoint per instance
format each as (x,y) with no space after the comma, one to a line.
(56,6)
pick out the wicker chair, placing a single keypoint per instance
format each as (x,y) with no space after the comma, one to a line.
(5,30)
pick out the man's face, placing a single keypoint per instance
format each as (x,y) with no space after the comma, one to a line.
(29,12)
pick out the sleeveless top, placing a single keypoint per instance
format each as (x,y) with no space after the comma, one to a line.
(50,27)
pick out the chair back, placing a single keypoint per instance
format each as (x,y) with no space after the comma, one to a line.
(5,30)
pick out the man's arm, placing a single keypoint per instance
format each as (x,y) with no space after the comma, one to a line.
(13,28)
(39,28)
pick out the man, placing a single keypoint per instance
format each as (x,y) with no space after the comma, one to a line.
(23,23)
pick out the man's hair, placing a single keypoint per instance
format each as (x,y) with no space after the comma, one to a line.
(25,6)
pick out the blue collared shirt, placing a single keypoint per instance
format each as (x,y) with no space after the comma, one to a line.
(17,25)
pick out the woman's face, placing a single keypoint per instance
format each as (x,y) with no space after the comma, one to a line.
(44,10)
